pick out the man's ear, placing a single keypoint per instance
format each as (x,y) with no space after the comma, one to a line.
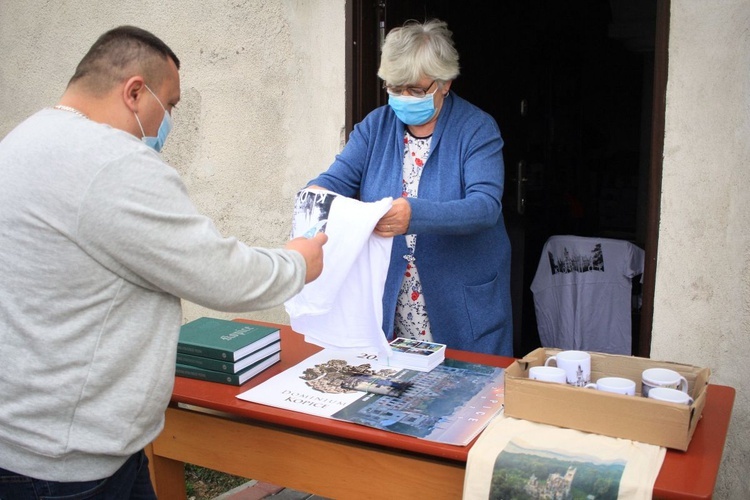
(132,92)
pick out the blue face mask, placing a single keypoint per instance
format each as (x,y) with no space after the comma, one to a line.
(413,110)
(166,126)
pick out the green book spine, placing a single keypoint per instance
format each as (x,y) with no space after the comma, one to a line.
(227,378)
(227,366)
(223,339)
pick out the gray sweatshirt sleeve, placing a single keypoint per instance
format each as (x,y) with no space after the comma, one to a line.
(137,220)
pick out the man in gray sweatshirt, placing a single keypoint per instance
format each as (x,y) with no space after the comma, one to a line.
(99,242)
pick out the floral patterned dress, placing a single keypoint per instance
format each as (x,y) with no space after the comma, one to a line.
(411,312)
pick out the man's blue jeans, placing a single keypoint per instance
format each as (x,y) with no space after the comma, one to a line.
(131,481)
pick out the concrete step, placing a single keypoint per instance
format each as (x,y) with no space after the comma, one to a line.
(256,490)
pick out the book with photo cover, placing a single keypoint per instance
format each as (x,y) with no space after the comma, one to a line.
(228,366)
(238,378)
(450,404)
(224,339)
(415,354)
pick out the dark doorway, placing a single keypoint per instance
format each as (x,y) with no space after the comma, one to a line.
(570,85)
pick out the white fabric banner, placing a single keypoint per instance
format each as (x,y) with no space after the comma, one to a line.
(544,461)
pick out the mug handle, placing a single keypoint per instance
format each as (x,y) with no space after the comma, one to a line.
(684,386)
(554,358)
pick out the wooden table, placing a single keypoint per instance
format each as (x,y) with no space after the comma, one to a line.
(347,461)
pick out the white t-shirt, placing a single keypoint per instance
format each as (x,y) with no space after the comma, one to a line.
(343,308)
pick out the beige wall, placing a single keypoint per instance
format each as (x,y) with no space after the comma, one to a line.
(702,297)
(263,111)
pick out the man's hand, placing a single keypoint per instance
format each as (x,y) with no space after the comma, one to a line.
(312,250)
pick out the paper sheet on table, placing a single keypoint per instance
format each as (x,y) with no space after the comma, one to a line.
(539,459)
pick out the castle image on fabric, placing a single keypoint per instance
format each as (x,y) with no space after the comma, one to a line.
(556,485)
(528,473)
(568,263)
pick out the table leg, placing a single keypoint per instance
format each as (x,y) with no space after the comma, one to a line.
(167,475)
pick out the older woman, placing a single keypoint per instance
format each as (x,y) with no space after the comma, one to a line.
(441,160)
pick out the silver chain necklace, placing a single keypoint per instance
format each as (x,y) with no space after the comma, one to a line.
(72,110)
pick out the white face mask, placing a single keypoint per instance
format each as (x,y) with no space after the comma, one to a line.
(166,126)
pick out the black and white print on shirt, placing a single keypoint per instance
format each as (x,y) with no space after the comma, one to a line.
(570,263)
(311,210)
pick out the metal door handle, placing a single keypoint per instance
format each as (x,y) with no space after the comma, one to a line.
(521,187)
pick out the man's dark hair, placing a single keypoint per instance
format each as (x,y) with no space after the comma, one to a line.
(119,54)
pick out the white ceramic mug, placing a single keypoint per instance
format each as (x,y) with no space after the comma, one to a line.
(577,366)
(617,385)
(670,395)
(548,374)
(662,377)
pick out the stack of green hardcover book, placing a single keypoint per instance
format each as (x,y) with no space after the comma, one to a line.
(228,352)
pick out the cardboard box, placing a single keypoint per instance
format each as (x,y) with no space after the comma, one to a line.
(631,417)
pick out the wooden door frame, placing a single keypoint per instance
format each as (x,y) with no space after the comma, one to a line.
(658,112)
(364,30)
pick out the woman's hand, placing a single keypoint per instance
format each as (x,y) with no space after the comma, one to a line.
(396,220)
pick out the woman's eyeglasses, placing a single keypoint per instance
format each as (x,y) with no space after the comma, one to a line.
(413,91)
